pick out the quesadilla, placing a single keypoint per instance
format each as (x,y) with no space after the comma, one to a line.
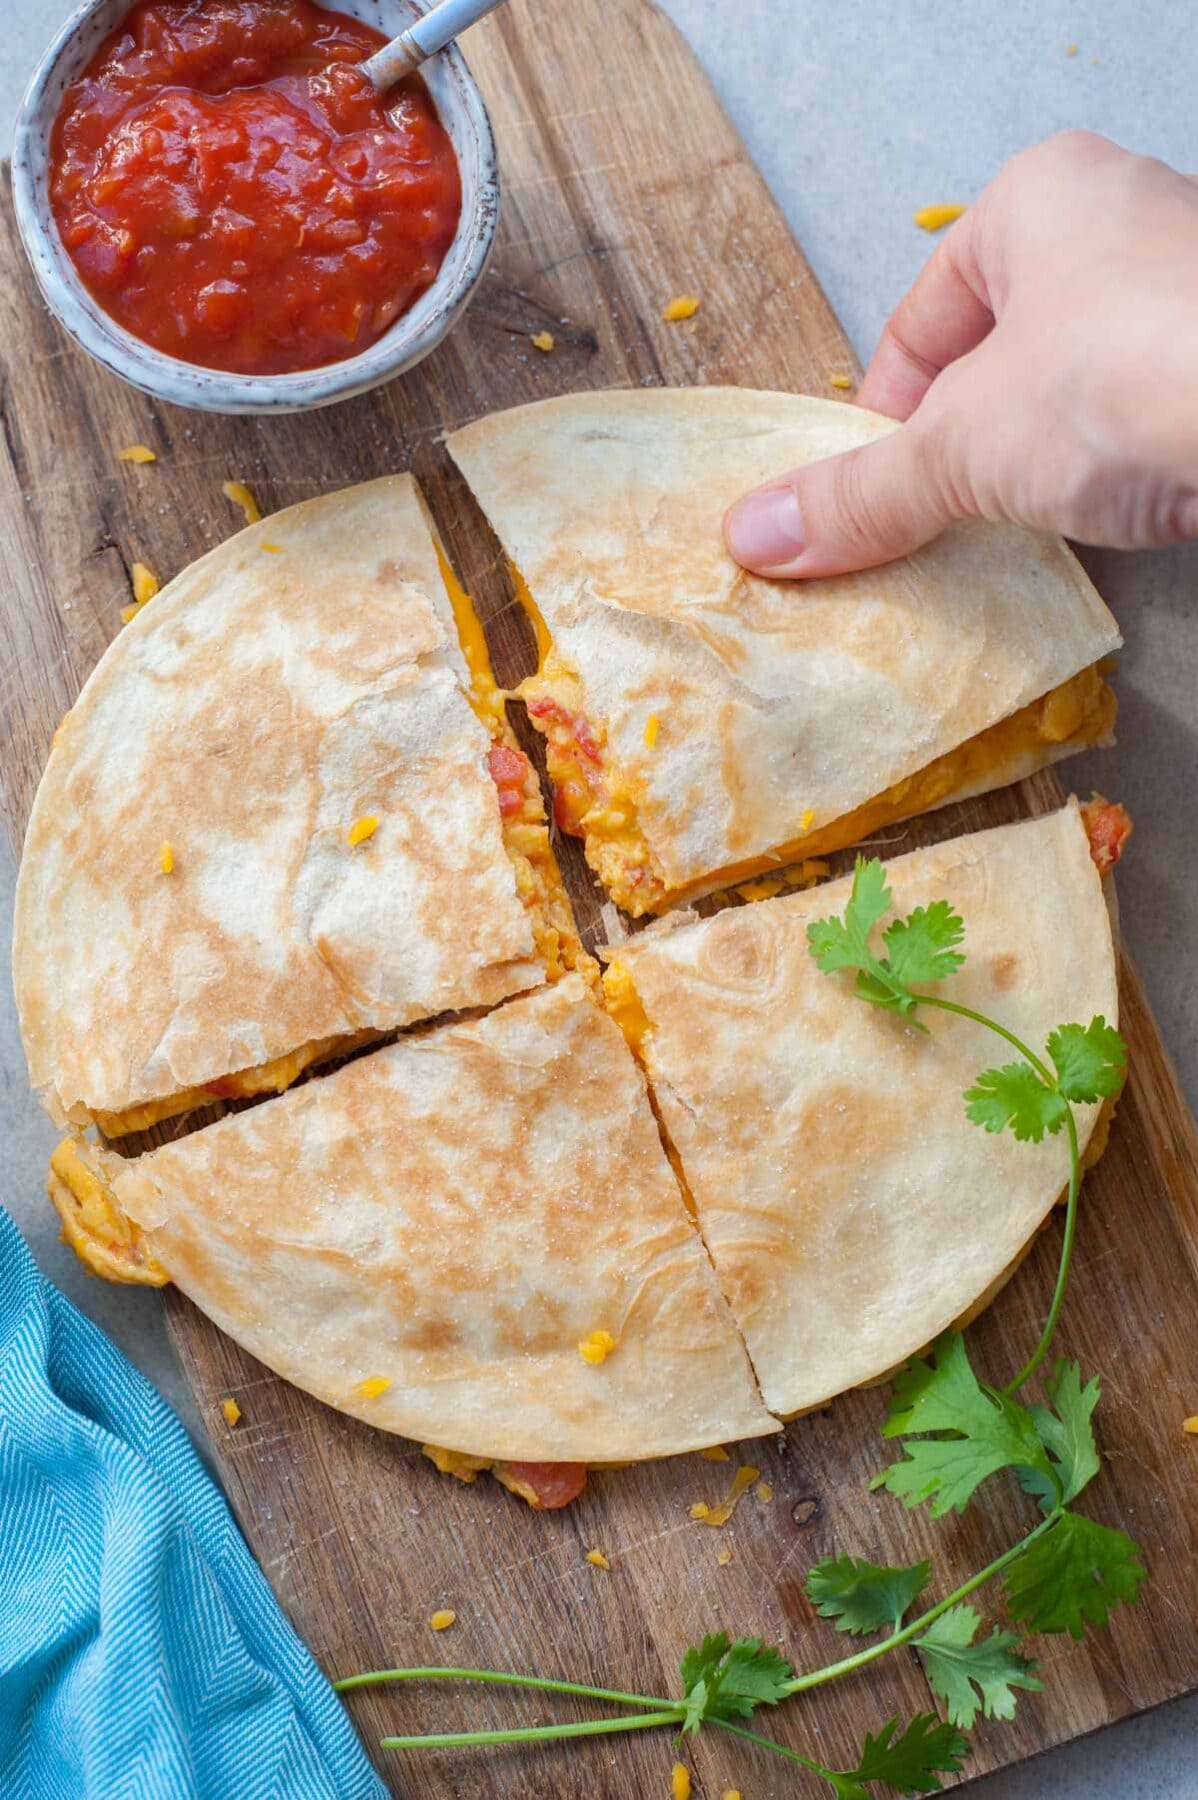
(851,1210)
(283,817)
(703,724)
(472,1237)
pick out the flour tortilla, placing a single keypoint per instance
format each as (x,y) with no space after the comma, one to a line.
(851,1210)
(781,707)
(455,1214)
(247,716)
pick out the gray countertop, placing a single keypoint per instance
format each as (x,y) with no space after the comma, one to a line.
(857,115)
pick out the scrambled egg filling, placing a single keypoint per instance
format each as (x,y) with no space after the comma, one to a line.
(595,801)
(522,812)
(103,1239)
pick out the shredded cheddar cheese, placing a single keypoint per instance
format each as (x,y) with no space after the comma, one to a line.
(724,1557)
(1190,1426)
(543,340)
(935,218)
(145,586)
(240,495)
(372,1387)
(652,727)
(272,549)
(166,858)
(764,1492)
(730,1794)
(682,306)
(742,1481)
(138,453)
(715,1453)
(808,819)
(762,890)
(231,1411)
(597,1559)
(680,1782)
(597,1347)
(1072,49)
(843,382)
(442,1620)
(362,829)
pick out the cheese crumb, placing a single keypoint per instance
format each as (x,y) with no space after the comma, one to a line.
(138,453)
(272,549)
(240,495)
(597,1559)
(652,727)
(597,1348)
(762,890)
(730,1794)
(361,829)
(372,1387)
(764,1492)
(680,1782)
(935,218)
(724,1558)
(441,1621)
(231,1411)
(742,1481)
(682,306)
(715,1453)
(843,382)
(807,820)
(543,340)
(166,858)
(1072,49)
(1190,1426)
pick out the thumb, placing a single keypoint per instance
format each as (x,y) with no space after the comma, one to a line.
(847,512)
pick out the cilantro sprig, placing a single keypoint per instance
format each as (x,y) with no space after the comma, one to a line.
(955,1432)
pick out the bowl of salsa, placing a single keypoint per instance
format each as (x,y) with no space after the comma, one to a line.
(219,208)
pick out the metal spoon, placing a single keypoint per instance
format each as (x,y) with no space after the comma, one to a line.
(423,39)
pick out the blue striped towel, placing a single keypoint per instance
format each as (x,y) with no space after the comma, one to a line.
(142,1654)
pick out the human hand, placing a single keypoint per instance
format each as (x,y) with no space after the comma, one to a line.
(1046,365)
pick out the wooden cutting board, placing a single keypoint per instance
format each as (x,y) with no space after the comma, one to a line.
(624,185)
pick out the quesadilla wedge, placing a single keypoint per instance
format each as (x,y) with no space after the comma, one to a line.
(275,825)
(851,1210)
(704,725)
(472,1237)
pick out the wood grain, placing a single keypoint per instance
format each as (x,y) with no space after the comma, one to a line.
(624,184)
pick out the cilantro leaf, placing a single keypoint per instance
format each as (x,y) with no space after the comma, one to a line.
(1090,1060)
(922,946)
(1075,1574)
(1064,1428)
(724,1680)
(862,1596)
(844,943)
(1015,1095)
(907,1762)
(981,1432)
(966,1675)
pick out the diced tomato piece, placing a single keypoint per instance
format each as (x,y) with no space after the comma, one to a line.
(508,767)
(554,1484)
(545,708)
(223,1088)
(1108,827)
(570,801)
(586,740)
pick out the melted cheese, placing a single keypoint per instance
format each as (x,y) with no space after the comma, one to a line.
(598,805)
(99,1233)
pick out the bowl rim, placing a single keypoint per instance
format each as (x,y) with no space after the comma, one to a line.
(193,385)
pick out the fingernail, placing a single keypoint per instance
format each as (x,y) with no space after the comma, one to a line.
(764,530)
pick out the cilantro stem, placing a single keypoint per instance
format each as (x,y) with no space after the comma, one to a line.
(1049,1078)
(755,1737)
(896,1640)
(499,1679)
(535,1734)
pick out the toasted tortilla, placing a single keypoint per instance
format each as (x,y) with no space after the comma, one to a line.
(851,1210)
(425,1237)
(743,721)
(266,700)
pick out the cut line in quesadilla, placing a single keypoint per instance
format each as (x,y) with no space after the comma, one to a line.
(851,1210)
(256,717)
(704,725)
(446,1283)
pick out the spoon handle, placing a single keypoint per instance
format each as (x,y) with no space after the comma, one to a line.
(423,39)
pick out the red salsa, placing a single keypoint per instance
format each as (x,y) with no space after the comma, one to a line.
(232,190)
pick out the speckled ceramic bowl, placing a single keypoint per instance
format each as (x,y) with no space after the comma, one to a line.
(418,331)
